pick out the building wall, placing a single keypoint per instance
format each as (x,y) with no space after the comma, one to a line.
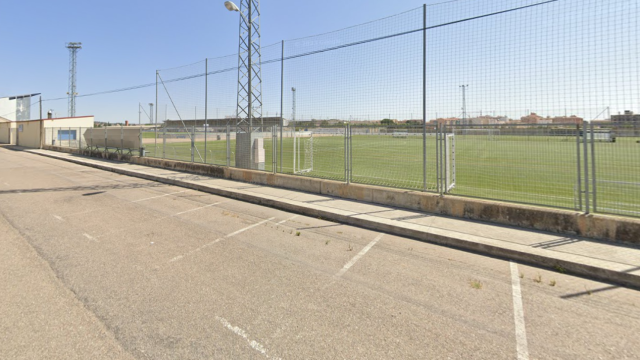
(8,109)
(28,134)
(83,121)
(4,132)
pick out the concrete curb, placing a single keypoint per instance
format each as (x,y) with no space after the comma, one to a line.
(599,270)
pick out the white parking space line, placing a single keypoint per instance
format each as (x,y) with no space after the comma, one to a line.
(360,254)
(243,334)
(199,208)
(289,219)
(58,217)
(160,196)
(518,314)
(180,257)
(90,237)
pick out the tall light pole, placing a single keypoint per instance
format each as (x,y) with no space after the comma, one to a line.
(73,53)
(249,105)
(151,113)
(464,103)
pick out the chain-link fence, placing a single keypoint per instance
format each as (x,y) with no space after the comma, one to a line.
(513,100)
(114,139)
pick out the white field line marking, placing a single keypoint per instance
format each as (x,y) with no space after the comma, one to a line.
(360,254)
(90,237)
(180,257)
(160,196)
(58,217)
(289,219)
(518,314)
(243,334)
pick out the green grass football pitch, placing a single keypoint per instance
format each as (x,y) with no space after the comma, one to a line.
(534,170)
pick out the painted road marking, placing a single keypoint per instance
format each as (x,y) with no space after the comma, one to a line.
(198,208)
(360,254)
(180,257)
(58,217)
(518,314)
(243,334)
(160,196)
(90,237)
(289,219)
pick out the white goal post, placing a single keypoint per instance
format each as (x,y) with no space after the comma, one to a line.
(302,152)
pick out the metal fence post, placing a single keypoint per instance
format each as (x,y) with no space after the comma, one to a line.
(424,101)
(346,156)
(121,139)
(585,148)
(164,142)
(593,170)
(439,165)
(206,90)
(281,100)
(106,131)
(193,136)
(578,160)
(228,145)
(274,148)
(350,154)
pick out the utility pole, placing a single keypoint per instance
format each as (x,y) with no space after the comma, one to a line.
(73,53)
(249,105)
(464,103)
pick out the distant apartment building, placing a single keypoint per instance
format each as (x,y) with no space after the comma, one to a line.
(567,120)
(488,120)
(532,118)
(446,121)
(627,118)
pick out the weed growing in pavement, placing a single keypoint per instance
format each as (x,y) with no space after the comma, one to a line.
(588,291)
(552,283)
(521,276)
(538,279)
(476,284)
(560,269)
(297,233)
(327,242)
(350,248)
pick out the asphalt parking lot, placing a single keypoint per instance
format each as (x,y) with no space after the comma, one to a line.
(96,264)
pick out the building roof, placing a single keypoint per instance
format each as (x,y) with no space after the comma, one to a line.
(19,96)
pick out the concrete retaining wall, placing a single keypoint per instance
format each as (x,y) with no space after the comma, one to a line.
(596,226)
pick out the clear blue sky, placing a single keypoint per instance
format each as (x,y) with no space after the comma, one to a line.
(578,55)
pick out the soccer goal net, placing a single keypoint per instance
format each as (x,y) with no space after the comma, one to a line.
(302,152)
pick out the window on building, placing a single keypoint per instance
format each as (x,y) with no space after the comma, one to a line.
(66,134)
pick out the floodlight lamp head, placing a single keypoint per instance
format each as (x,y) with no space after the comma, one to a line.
(231,6)
(293,89)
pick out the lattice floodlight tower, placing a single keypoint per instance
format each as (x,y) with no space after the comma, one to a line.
(73,53)
(249,146)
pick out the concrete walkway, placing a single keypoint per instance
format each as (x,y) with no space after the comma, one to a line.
(603,261)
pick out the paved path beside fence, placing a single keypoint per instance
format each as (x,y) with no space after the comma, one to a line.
(604,261)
